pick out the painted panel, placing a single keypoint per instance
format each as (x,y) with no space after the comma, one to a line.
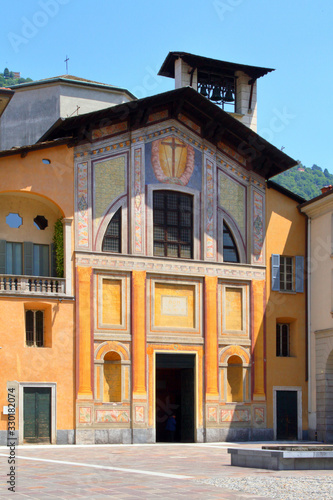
(212,414)
(190,123)
(138,206)
(115,128)
(232,199)
(85,415)
(174,305)
(235,416)
(139,414)
(112,302)
(210,212)
(258,227)
(112,416)
(172,161)
(82,204)
(110,183)
(234,309)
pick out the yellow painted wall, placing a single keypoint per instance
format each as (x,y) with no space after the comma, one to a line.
(286,235)
(112,306)
(174,297)
(234,308)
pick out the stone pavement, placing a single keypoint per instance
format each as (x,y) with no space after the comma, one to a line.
(163,471)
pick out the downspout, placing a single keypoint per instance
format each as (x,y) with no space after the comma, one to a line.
(309,318)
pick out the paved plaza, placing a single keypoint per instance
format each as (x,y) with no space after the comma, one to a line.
(163,471)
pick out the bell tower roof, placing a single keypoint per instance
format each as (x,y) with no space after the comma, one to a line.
(206,65)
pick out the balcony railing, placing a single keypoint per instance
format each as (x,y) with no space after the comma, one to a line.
(31,285)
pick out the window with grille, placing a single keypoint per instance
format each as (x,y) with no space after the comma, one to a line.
(283,339)
(112,237)
(230,252)
(34,328)
(173,224)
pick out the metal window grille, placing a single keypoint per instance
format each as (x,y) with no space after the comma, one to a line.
(173,224)
(230,252)
(283,339)
(34,328)
(112,237)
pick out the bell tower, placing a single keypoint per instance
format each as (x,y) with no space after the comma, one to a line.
(231,86)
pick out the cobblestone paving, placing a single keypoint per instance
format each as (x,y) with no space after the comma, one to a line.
(134,472)
(286,488)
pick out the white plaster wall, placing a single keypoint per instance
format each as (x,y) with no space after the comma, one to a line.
(321,272)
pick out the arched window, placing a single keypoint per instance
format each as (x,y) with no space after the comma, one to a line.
(173,224)
(234,379)
(112,377)
(112,237)
(230,252)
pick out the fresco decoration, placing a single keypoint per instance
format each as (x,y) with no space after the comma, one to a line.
(112,416)
(258,227)
(212,414)
(235,416)
(172,161)
(259,415)
(232,199)
(210,240)
(139,414)
(189,123)
(231,152)
(115,128)
(159,115)
(110,183)
(138,202)
(85,415)
(82,204)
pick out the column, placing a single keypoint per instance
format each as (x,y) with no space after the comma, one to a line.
(211,338)
(258,340)
(67,223)
(139,333)
(84,332)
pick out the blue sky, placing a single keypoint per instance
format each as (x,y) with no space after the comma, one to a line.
(125,42)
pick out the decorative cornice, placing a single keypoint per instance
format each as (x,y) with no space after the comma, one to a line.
(170,267)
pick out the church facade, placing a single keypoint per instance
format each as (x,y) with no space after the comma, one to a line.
(179,250)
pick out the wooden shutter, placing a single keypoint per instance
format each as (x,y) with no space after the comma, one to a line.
(28,258)
(2,256)
(299,274)
(275,272)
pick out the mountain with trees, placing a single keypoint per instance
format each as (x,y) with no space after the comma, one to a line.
(9,78)
(305,182)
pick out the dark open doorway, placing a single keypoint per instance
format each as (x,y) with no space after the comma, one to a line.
(175,396)
(286,415)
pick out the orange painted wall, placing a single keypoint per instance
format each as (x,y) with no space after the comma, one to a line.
(54,363)
(54,181)
(286,235)
(39,364)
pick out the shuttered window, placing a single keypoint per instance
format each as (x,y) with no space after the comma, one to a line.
(27,258)
(287,273)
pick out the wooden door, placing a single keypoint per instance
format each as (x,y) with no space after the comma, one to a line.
(37,415)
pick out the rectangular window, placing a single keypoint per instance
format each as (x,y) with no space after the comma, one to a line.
(41,260)
(283,339)
(173,224)
(34,328)
(286,273)
(14,258)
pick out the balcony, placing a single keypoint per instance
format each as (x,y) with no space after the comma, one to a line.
(32,285)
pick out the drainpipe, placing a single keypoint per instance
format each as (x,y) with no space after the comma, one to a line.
(309,320)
